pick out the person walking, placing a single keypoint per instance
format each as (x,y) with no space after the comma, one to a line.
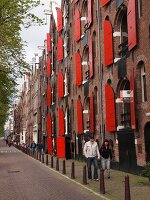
(106,156)
(91,152)
(33,146)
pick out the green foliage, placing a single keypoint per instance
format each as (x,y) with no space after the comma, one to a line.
(14,14)
(146,171)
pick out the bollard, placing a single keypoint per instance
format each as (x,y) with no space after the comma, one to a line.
(84,175)
(46,159)
(42,157)
(102,184)
(64,167)
(52,161)
(127,188)
(57,164)
(73,171)
(34,154)
(37,155)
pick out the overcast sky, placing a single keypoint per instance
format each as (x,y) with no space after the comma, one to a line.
(35,35)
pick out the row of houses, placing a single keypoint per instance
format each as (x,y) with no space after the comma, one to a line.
(92,78)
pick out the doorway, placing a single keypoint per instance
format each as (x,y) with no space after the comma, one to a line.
(127,154)
(147,141)
(68,147)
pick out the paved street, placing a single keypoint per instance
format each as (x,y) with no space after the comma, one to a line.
(23,178)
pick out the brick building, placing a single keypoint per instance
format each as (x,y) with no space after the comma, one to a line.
(20,115)
(93,78)
(98,79)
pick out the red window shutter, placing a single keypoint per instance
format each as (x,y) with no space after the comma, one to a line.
(108,43)
(61,122)
(131,19)
(77,25)
(60,49)
(132,102)
(60,85)
(61,150)
(79,117)
(48,66)
(59,19)
(110,108)
(78,69)
(91,57)
(49,145)
(48,42)
(92,124)
(49,95)
(49,125)
(89,12)
(104,2)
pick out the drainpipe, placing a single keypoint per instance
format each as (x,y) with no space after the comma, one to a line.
(100,72)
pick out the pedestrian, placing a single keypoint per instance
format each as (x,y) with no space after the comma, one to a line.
(33,146)
(40,147)
(91,152)
(106,157)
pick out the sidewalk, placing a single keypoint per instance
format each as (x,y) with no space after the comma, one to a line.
(114,187)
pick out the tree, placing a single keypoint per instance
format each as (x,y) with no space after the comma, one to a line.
(14,14)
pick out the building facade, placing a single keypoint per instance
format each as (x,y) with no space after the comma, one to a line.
(98,73)
(93,78)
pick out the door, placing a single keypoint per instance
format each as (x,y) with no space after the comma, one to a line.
(68,147)
(80,149)
(147,141)
(127,154)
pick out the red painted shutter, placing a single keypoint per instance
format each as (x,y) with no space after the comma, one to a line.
(89,12)
(110,109)
(108,43)
(131,18)
(49,125)
(49,95)
(60,85)
(91,57)
(79,117)
(78,69)
(61,122)
(49,145)
(59,19)
(92,113)
(61,152)
(48,42)
(60,49)
(48,66)
(77,30)
(104,2)
(132,102)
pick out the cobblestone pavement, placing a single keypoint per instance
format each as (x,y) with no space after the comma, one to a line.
(23,178)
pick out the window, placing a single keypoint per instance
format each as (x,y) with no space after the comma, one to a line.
(143,83)
(124,35)
(95,101)
(84,18)
(94,45)
(140,8)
